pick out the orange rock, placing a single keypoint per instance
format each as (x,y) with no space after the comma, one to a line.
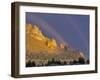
(62,46)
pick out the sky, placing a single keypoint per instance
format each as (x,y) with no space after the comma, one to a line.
(65,28)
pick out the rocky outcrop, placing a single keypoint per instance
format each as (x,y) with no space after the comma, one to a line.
(43,50)
(34,36)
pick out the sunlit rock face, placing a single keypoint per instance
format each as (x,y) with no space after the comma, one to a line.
(62,46)
(51,44)
(34,32)
(36,39)
(81,55)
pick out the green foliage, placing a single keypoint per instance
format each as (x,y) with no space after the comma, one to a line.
(81,60)
(87,62)
(75,62)
(45,59)
(30,64)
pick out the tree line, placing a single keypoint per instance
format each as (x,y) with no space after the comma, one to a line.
(54,62)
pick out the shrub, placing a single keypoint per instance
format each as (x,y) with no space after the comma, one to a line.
(75,62)
(30,64)
(87,62)
(81,60)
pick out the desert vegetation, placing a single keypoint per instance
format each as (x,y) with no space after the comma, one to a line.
(45,59)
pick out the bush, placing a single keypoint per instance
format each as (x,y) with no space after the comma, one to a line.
(87,62)
(75,62)
(30,64)
(81,60)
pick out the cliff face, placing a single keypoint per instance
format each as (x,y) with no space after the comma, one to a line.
(34,32)
(37,41)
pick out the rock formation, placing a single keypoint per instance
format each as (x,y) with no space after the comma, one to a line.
(41,49)
(34,36)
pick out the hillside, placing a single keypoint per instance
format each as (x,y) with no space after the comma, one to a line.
(41,49)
